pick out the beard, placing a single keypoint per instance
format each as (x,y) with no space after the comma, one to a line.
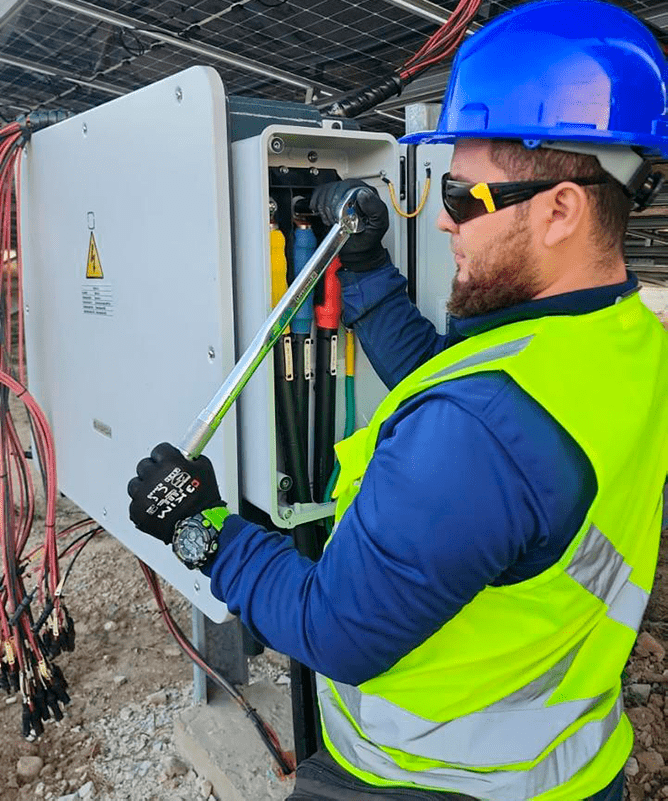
(507,274)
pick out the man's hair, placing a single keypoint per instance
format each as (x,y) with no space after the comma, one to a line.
(609,203)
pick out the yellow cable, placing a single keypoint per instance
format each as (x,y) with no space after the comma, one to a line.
(350,352)
(421,205)
(279,266)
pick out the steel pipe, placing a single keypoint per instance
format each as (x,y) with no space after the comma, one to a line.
(57,72)
(200,49)
(650,253)
(430,11)
(648,223)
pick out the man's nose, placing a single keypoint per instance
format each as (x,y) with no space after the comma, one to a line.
(444,222)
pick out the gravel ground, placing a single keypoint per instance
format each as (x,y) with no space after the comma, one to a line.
(128,681)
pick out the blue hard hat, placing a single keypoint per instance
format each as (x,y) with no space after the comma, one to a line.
(558,70)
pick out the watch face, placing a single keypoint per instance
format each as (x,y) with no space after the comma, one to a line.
(191,543)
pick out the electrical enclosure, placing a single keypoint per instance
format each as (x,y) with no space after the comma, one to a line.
(351,154)
(126,358)
(127,344)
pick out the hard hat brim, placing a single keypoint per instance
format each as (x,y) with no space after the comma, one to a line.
(648,145)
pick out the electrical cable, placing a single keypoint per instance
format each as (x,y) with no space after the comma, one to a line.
(423,200)
(26,654)
(89,536)
(349,426)
(269,737)
(305,715)
(304,246)
(327,315)
(292,440)
(438,47)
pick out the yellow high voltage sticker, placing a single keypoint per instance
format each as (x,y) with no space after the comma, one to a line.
(93,266)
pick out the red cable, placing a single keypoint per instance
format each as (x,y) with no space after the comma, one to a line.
(19,272)
(443,42)
(287,760)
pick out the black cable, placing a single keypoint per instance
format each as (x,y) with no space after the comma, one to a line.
(90,535)
(192,653)
(367,98)
(411,222)
(78,539)
(140,46)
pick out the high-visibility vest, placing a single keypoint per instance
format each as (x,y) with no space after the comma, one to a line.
(519,695)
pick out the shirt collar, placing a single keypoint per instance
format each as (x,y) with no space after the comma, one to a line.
(581,301)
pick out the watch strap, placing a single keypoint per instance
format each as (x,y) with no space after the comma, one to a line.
(215,516)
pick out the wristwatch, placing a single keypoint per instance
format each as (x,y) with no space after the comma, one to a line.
(195,539)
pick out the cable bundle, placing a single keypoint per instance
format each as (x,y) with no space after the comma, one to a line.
(443,43)
(436,49)
(27,645)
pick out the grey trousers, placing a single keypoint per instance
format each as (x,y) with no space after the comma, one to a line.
(320,778)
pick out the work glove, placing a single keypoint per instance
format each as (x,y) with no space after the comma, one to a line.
(168,488)
(362,251)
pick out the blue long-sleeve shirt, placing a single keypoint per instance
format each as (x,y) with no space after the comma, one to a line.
(472,483)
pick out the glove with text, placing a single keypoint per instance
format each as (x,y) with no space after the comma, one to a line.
(363,251)
(168,488)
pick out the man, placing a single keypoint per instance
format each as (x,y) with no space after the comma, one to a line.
(498,520)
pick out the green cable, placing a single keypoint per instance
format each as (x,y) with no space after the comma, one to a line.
(347,431)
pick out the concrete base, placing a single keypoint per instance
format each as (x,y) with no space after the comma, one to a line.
(224,747)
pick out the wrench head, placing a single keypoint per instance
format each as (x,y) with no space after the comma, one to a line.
(350,218)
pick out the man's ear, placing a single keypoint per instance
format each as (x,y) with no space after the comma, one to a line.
(562,210)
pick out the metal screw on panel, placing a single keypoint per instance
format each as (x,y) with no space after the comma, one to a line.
(104,511)
(312,156)
(84,129)
(27,308)
(196,586)
(287,514)
(283,170)
(178,94)
(314,171)
(277,144)
(427,164)
(212,354)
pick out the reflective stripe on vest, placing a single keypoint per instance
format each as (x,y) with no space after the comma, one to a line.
(562,762)
(488,355)
(599,567)
(522,725)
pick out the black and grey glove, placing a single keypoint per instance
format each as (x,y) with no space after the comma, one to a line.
(168,488)
(363,251)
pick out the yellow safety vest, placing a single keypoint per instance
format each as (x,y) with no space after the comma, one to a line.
(519,695)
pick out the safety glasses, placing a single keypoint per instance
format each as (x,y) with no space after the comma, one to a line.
(464,201)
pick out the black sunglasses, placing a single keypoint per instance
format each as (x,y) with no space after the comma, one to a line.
(464,201)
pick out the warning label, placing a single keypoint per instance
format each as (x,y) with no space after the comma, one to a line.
(98,299)
(93,265)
